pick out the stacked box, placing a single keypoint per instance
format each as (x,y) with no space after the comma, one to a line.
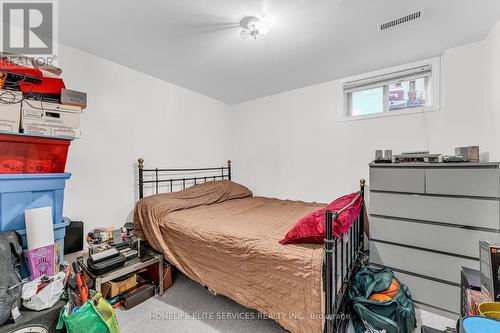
(50,119)
(10,110)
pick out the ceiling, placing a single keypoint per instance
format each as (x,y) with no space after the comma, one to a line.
(196,43)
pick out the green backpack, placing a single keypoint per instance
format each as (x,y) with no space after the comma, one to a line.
(393,316)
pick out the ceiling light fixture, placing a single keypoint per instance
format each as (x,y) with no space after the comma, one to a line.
(254,26)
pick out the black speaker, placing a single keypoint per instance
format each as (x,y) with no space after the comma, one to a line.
(73,240)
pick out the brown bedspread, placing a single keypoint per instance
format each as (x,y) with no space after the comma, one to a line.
(227,240)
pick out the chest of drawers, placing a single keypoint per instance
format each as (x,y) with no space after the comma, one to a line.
(426,221)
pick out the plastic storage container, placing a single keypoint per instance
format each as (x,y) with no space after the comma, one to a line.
(490,310)
(32,154)
(22,191)
(59,233)
(477,324)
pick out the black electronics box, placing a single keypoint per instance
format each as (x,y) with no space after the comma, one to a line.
(138,295)
(73,239)
(469,280)
(104,266)
(489,262)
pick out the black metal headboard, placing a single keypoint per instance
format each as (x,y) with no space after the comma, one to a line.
(201,175)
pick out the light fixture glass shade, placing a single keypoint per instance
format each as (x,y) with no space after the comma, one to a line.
(262,28)
(253,26)
(264,24)
(244,34)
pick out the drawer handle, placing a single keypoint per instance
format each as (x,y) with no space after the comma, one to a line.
(468,227)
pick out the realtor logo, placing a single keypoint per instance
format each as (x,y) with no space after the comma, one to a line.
(29,27)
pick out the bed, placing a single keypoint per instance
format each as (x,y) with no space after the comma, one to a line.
(223,237)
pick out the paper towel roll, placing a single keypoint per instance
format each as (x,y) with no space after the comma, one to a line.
(39,227)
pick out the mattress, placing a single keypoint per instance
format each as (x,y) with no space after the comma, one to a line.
(232,247)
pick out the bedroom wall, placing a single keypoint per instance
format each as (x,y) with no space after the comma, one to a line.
(291,145)
(288,145)
(131,115)
(493,82)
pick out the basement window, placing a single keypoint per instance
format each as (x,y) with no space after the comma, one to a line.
(401,90)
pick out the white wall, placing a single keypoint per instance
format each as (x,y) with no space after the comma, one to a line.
(291,145)
(493,82)
(131,115)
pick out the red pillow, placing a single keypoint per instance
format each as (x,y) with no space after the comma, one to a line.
(312,227)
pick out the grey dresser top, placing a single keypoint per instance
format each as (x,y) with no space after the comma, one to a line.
(436,165)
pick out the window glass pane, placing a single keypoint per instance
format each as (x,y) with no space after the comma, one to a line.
(407,94)
(367,101)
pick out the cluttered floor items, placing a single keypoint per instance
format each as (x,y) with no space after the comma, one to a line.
(89,296)
(39,118)
(381,303)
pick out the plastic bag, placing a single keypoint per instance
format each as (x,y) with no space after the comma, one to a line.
(95,316)
(46,297)
(10,281)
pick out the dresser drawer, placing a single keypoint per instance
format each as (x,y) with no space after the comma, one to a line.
(461,211)
(433,293)
(478,182)
(429,236)
(397,180)
(436,265)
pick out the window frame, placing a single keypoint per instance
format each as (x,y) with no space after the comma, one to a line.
(433,89)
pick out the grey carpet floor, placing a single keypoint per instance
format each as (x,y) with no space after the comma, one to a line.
(189,307)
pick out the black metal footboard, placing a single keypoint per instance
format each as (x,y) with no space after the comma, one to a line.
(342,260)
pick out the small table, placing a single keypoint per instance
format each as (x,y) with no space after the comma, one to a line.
(146,259)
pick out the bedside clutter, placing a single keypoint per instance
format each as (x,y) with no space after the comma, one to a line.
(119,284)
(121,266)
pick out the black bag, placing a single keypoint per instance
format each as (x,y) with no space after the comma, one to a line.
(10,279)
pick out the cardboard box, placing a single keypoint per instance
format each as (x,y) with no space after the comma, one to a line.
(470,153)
(74,98)
(114,288)
(50,119)
(152,275)
(10,110)
(489,263)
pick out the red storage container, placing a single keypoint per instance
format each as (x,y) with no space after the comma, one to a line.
(32,154)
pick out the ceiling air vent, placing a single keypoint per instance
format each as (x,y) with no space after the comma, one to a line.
(404,19)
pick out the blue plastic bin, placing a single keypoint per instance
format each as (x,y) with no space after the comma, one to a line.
(19,192)
(59,233)
(476,324)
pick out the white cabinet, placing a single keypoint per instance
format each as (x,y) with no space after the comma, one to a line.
(426,221)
